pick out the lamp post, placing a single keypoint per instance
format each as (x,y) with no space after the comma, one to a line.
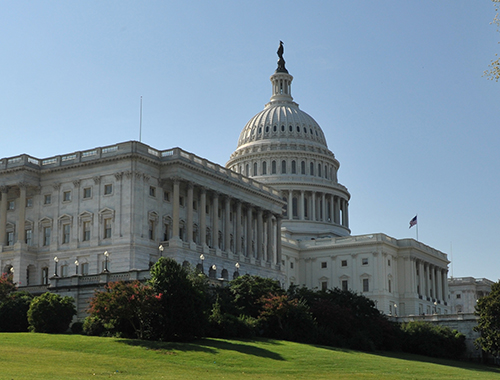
(56,260)
(396,310)
(202,257)
(160,248)
(214,268)
(435,307)
(237,265)
(106,255)
(77,263)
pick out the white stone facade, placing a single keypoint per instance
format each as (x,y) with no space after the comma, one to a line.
(465,291)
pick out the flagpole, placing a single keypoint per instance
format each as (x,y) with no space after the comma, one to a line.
(417,227)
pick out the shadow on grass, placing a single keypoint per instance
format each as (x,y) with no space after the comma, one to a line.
(210,346)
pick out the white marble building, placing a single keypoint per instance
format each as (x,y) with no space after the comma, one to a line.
(465,291)
(276,210)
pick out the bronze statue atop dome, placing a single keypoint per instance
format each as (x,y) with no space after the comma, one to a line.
(281,62)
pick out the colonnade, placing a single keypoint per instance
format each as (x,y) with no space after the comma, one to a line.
(431,281)
(21,213)
(233,225)
(316,206)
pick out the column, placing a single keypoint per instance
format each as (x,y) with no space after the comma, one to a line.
(301,206)
(332,200)
(290,205)
(237,242)
(249,231)
(336,216)
(3,215)
(189,219)
(323,207)
(215,220)
(346,214)
(439,279)
(421,277)
(270,237)
(313,205)
(22,213)
(278,239)
(202,216)
(446,290)
(260,233)
(343,206)
(227,224)
(175,210)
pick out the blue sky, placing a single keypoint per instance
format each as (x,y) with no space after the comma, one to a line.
(396,86)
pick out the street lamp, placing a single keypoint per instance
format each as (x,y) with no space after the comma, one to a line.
(202,257)
(160,248)
(396,310)
(56,259)
(77,263)
(435,307)
(106,255)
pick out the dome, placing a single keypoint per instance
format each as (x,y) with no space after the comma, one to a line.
(285,148)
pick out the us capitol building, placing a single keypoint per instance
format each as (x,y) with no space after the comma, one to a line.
(71,223)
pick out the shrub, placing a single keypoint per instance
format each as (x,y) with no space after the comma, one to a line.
(424,338)
(14,312)
(225,325)
(50,313)
(7,286)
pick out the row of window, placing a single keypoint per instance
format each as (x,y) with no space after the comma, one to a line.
(267,129)
(322,171)
(345,285)
(65,233)
(66,197)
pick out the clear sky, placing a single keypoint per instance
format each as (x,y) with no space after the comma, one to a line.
(396,86)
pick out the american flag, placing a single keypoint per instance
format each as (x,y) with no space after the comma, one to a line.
(413,221)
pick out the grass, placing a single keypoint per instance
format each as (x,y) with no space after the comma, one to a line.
(41,356)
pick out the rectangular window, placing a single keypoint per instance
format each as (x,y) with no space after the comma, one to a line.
(108,189)
(64,271)
(324,286)
(152,191)
(66,233)
(29,202)
(85,268)
(86,231)
(390,290)
(181,201)
(47,199)
(366,285)
(364,261)
(10,238)
(166,196)
(87,193)
(45,276)
(107,228)
(345,285)
(66,196)
(323,264)
(28,236)
(11,205)
(344,263)
(166,232)
(151,230)
(459,296)
(291,265)
(46,236)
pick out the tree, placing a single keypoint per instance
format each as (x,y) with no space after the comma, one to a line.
(488,310)
(51,313)
(7,286)
(14,312)
(128,308)
(184,306)
(494,72)
(247,291)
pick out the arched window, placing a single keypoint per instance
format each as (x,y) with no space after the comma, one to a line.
(295,212)
(294,168)
(247,170)
(305,207)
(264,168)
(319,170)
(254,168)
(311,169)
(283,167)
(273,167)
(326,171)
(303,167)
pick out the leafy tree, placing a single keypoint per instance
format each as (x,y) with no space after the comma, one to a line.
(123,307)
(7,286)
(494,72)
(285,318)
(51,313)
(488,310)
(247,291)
(183,308)
(14,312)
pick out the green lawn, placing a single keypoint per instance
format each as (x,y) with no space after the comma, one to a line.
(41,356)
